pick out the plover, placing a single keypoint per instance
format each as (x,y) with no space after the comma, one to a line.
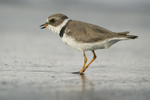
(83,36)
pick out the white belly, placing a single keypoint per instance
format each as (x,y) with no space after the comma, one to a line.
(89,46)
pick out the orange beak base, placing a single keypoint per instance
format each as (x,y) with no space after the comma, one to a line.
(43,26)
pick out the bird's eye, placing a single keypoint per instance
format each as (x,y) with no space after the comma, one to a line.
(52,20)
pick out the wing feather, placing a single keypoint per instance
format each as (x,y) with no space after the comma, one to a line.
(84,32)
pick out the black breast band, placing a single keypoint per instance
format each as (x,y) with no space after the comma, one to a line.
(62,31)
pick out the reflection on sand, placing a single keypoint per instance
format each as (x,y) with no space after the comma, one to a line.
(86,83)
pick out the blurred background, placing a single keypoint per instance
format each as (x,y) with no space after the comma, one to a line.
(22,39)
(20,21)
(25,47)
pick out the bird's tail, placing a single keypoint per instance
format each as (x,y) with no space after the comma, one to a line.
(125,36)
(131,36)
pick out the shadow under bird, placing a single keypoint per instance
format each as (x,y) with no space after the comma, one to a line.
(83,36)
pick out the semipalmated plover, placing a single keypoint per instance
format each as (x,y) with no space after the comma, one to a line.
(83,36)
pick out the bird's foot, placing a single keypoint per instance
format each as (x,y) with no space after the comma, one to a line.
(78,73)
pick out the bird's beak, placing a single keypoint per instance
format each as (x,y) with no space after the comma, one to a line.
(43,26)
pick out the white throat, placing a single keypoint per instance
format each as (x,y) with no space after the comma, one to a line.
(58,28)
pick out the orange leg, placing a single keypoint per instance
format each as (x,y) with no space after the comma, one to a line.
(85,60)
(94,57)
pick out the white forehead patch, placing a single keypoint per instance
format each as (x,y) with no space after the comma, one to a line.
(47,20)
(57,28)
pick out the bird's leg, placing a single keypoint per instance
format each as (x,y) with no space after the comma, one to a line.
(94,57)
(83,68)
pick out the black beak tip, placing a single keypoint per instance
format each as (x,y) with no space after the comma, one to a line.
(42,26)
